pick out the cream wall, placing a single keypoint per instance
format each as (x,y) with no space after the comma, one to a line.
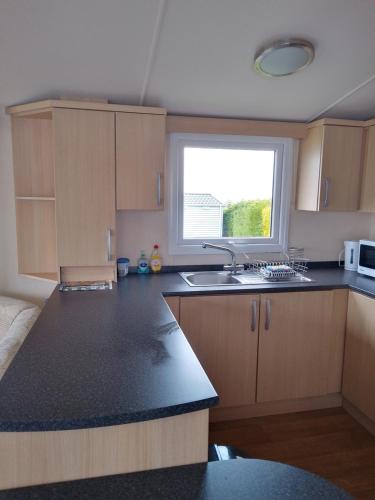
(321,234)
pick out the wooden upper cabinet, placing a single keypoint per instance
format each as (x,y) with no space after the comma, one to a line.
(329,172)
(359,365)
(368,177)
(85,186)
(301,344)
(140,161)
(223,332)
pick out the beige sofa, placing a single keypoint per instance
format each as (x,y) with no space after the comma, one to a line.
(16,319)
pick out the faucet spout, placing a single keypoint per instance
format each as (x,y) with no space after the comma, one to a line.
(233,268)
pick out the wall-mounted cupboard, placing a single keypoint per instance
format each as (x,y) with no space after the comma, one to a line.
(367,203)
(140,161)
(65,176)
(330,166)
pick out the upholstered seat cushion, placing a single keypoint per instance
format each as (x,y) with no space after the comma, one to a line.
(16,319)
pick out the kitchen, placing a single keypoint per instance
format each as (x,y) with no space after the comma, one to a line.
(96,180)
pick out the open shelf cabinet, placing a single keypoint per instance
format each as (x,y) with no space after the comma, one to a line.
(34,180)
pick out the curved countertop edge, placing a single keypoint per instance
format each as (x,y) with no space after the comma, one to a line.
(240,479)
(160,286)
(109,420)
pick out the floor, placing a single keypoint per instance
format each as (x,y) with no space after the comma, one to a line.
(328,442)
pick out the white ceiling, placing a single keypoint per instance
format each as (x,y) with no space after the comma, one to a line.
(191,56)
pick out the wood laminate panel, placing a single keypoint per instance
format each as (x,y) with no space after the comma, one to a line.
(341,165)
(275,407)
(219,329)
(42,107)
(140,161)
(88,273)
(367,203)
(33,157)
(301,350)
(309,170)
(28,458)
(359,365)
(204,125)
(36,236)
(85,186)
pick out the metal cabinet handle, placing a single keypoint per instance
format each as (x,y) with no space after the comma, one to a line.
(254,307)
(109,245)
(267,323)
(158,189)
(327,185)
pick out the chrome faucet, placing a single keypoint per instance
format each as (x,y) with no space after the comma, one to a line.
(234,267)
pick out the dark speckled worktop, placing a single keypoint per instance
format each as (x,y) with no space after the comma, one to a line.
(113,357)
(226,480)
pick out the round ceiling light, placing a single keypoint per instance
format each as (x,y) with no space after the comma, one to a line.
(284,57)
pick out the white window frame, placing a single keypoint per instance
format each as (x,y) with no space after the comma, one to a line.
(284,149)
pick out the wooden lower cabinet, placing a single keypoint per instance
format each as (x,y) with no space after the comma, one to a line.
(174,305)
(223,332)
(301,344)
(295,350)
(359,365)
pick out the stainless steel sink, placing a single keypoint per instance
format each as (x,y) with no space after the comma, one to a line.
(209,278)
(223,278)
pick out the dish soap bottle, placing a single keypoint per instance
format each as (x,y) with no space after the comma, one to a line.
(155,260)
(143,264)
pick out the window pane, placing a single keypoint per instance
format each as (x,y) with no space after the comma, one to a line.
(227,193)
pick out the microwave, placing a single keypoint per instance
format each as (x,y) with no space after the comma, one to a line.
(366,259)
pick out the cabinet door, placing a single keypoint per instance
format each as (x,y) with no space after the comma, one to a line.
(341,168)
(301,344)
(223,332)
(85,186)
(309,163)
(140,159)
(359,365)
(368,179)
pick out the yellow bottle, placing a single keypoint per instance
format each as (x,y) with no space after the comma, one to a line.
(155,260)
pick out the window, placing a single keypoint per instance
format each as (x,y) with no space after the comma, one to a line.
(229,189)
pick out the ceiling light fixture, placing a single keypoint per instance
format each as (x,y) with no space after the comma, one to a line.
(284,57)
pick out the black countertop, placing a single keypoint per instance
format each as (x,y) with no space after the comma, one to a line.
(113,357)
(226,480)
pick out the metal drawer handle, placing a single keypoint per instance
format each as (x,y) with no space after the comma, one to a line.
(253,315)
(267,323)
(109,245)
(327,185)
(158,188)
